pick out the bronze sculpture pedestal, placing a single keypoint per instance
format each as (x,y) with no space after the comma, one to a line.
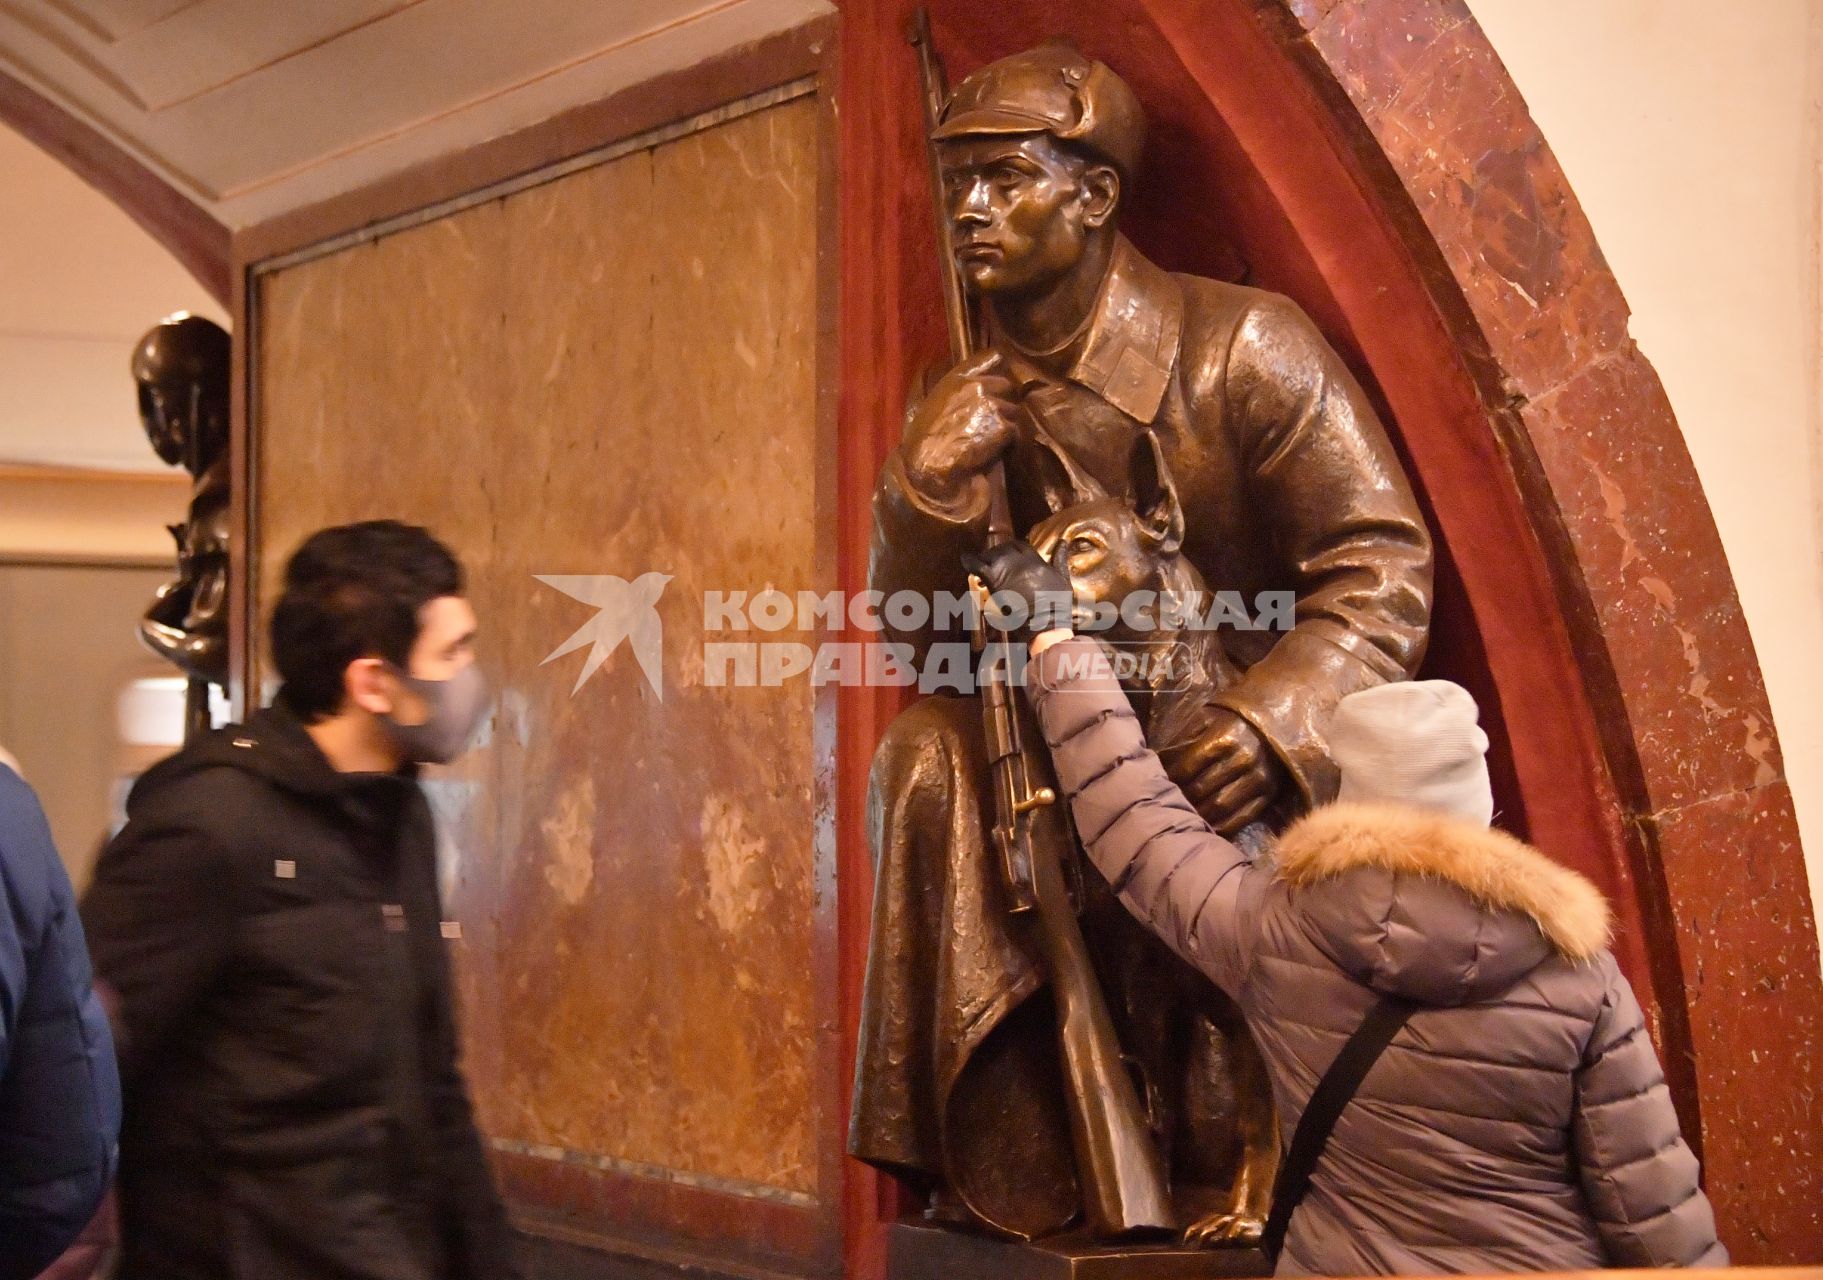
(917,1250)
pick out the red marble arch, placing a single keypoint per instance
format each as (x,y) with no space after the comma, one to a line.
(1372,159)
(194,237)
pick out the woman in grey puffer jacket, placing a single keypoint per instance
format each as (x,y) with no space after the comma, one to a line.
(1520,1120)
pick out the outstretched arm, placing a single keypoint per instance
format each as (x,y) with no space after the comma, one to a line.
(1195,890)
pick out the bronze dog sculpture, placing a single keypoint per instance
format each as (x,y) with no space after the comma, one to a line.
(1205,1083)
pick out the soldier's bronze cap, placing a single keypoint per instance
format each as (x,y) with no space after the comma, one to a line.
(1054,89)
(179,348)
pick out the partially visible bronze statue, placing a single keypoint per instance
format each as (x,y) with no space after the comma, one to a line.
(1206,434)
(182,368)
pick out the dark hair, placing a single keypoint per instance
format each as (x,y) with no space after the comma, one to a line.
(353,592)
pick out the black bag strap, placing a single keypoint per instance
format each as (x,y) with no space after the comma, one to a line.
(1331,1095)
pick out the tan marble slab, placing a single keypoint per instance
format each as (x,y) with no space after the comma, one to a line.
(611,374)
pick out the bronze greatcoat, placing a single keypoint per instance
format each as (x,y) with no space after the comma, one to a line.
(1288,482)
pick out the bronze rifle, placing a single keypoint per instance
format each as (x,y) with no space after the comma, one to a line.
(1124,1186)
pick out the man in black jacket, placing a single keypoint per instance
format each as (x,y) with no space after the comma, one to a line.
(268,922)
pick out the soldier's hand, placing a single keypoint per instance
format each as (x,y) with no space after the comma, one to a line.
(959,429)
(1227,771)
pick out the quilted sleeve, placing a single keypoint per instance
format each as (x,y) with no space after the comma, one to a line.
(1639,1176)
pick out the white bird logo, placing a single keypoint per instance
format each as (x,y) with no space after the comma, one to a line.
(628,611)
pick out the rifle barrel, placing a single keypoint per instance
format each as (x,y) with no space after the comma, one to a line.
(936,94)
(1121,1172)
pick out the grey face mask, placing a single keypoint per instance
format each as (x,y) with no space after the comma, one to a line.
(456,708)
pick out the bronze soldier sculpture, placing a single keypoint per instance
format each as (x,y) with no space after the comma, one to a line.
(1283,479)
(181,368)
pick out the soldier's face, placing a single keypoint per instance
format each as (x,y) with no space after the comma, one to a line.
(1021,209)
(164,412)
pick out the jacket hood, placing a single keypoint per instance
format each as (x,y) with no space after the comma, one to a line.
(273,746)
(1433,908)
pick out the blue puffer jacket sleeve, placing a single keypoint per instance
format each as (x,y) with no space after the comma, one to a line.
(59,1092)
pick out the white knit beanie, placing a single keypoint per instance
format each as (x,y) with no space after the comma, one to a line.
(1413,742)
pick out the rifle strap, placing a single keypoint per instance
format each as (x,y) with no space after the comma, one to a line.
(1332,1094)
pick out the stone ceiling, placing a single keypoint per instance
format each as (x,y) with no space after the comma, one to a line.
(252,107)
(255,107)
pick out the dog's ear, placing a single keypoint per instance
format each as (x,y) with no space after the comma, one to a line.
(1161,516)
(1063,483)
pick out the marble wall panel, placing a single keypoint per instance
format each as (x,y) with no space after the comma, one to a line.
(611,374)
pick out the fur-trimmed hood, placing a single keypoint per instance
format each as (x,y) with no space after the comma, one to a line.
(1431,907)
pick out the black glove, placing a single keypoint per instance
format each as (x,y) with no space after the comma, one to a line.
(1018,576)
